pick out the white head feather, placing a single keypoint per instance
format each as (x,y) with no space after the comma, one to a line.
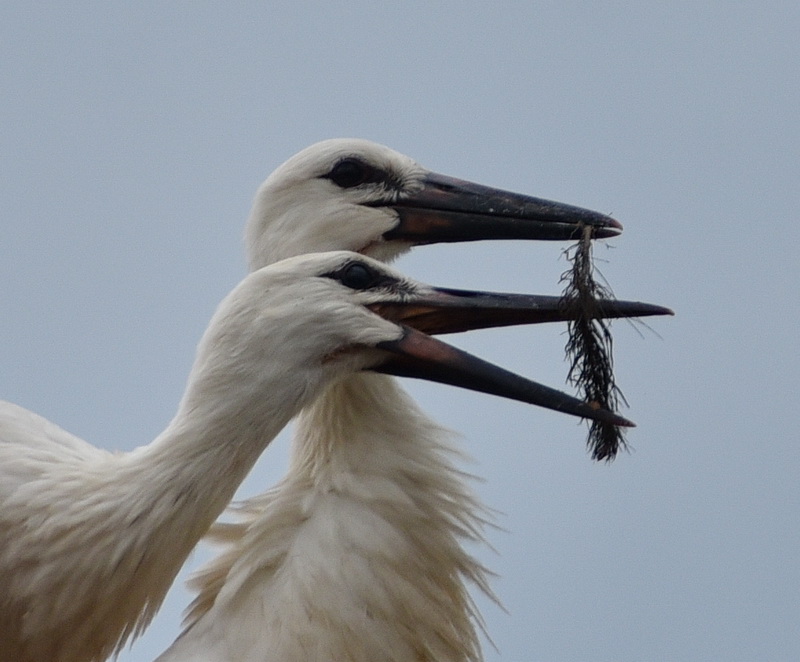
(299,209)
(91,541)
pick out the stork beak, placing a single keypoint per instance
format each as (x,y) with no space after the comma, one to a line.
(445,310)
(417,354)
(446,209)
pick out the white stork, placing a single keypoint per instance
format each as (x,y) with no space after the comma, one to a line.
(91,540)
(357,555)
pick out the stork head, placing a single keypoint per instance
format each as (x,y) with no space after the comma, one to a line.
(310,319)
(349,194)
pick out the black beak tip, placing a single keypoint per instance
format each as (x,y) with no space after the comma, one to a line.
(609,227)
(624,422)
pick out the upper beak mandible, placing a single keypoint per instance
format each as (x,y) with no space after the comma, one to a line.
(444,310)
(446,209)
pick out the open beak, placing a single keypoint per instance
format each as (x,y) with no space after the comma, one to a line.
(446,209)
(417,354)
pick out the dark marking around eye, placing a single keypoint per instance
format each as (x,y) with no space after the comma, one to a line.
(351,172)
(360,276)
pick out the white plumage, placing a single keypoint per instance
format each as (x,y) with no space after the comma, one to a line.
(358,554)
(90,540)
(300,209)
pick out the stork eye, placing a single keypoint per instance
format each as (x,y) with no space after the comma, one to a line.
(358,276)
(349,173)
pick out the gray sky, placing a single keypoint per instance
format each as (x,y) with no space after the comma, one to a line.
(133,137)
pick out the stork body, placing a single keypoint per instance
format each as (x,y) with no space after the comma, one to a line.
(358,553)
(90,540)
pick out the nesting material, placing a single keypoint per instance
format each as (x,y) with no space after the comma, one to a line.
(589,347)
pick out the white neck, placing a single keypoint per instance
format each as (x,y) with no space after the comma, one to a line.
(105,535)
(356,555)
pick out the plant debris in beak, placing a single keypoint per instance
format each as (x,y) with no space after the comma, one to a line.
(589,347)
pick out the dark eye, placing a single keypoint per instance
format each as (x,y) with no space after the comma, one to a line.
(358,276)
(349,173)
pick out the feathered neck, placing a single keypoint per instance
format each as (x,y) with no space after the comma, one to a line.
(105,534)
(357,554)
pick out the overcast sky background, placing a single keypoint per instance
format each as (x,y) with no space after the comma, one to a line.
(134,135)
